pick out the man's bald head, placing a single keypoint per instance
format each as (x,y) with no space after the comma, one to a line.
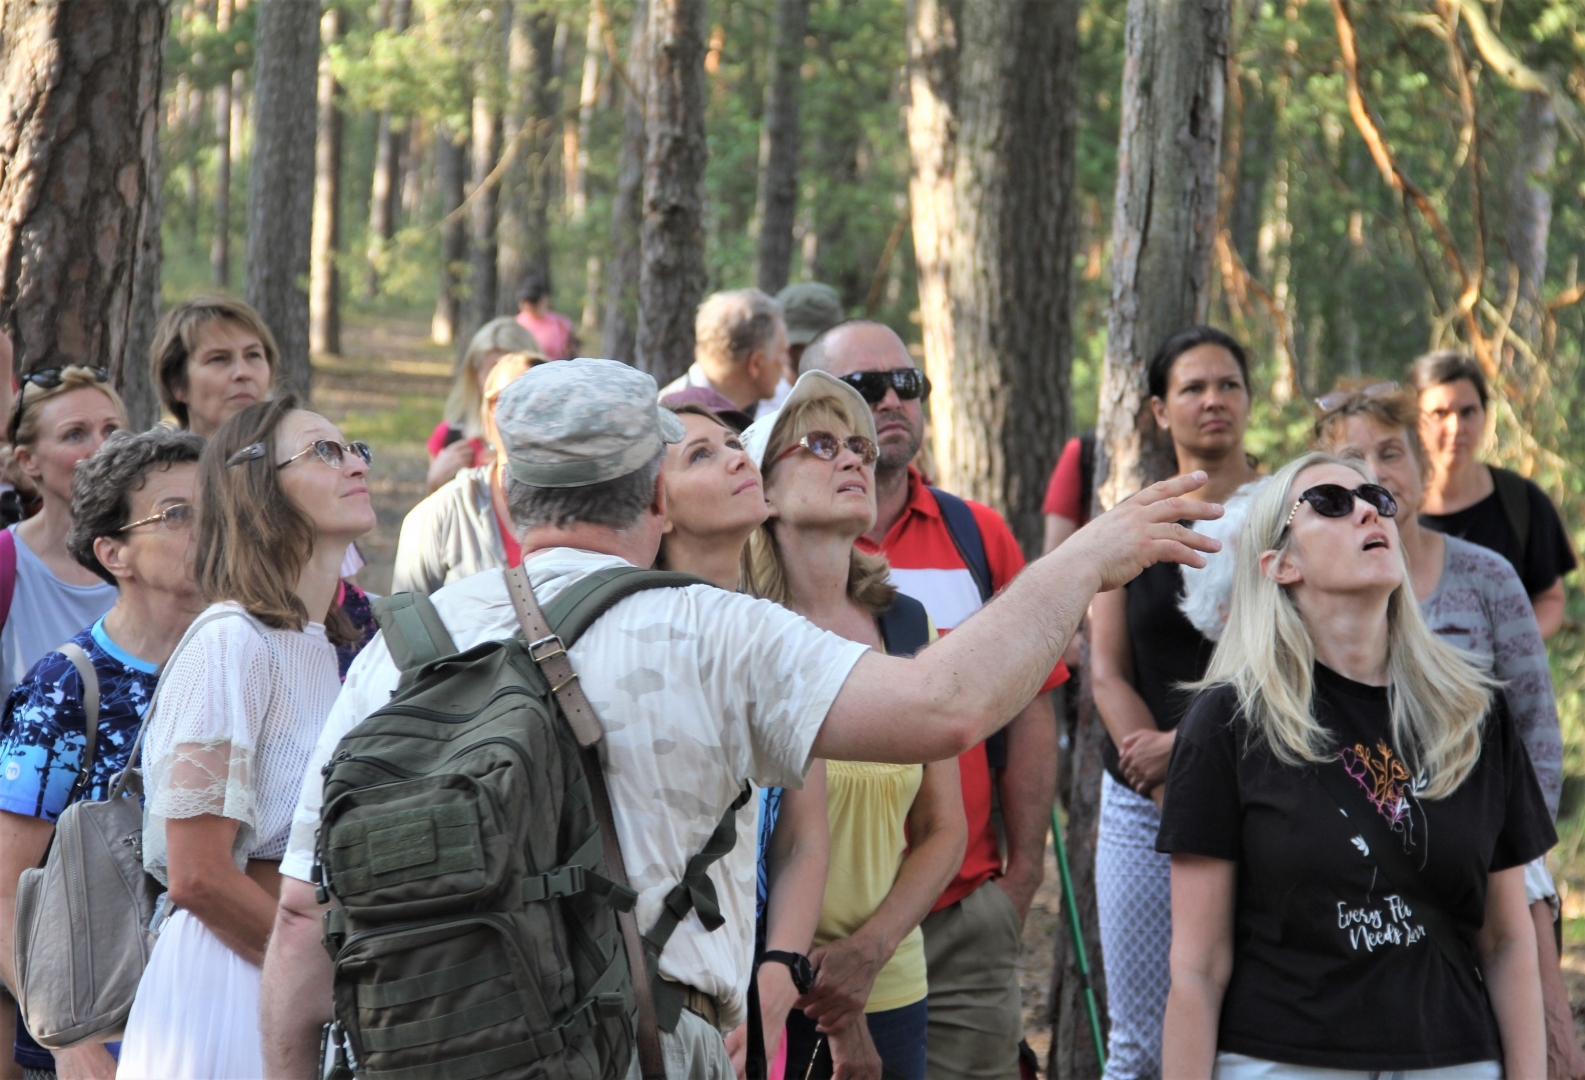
(855,345)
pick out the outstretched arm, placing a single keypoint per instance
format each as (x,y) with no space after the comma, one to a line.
(977,678)
(294,1001)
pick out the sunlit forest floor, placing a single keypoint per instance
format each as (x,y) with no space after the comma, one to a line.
(389,387)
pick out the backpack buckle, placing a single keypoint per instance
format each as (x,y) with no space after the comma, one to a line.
(538,657)
(565,881)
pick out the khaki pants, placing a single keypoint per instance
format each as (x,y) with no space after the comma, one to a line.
(695,1051)
(976,1015)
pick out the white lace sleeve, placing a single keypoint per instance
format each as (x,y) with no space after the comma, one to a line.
(201,741)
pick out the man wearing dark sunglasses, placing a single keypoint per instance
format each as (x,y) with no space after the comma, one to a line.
(952,556)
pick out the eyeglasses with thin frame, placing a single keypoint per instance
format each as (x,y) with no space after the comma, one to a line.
(45,379)
(1335,501)
(826,447)
(909,382)
(174,517)
(1338,398)
(329,451)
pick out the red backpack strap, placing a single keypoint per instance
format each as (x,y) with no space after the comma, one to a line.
(8,572)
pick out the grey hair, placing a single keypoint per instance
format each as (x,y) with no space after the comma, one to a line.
(102,485)
(616,504)
(731,325)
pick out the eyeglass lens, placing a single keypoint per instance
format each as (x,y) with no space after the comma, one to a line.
(910,383)
(826,446)
(1335,500)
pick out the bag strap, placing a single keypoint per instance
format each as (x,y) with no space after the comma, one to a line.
(8,572)
(90,694)
(577,607)
(413,631)
(547,651)
(1386,850)
(965,533)
(1514,495)
(905,626)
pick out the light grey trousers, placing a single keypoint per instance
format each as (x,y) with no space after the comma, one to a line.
(695,1051)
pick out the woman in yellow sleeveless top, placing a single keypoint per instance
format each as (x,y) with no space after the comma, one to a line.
(897,831)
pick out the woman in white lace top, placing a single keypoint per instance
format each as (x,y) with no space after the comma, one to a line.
(233,725)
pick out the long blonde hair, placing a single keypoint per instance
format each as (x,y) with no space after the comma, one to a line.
(503,335)
(1438,698)
(763,572)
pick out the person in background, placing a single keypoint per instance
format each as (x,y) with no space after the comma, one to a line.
(972,934)
(809,309)
(234,725)
(706,398)
(714,501)
(1349,813)
(1067,504)
(133,507)
(740,349)
(1471,598)
(897,831)
(211,358)
(1481,503)
(458,441)
(464,526)
(62,415)
(552,330)
(1142,648)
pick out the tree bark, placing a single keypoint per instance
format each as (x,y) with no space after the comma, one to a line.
(672,273)
(483,212)
(79,179)
(932,148)
(1530,209)
(220,243)
(779,139)
(1164,221)
(547,111)
(450,173)
(620,334)
(281,178)
(575,142)
(1012,256)
(384,190)
(324,277)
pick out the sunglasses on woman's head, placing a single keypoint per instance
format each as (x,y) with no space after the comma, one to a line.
(45,379)
(1338,398)
(330,451)
(1335,501)
(826,447)
(910,383)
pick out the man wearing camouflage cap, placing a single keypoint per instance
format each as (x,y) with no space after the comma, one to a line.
(698,689)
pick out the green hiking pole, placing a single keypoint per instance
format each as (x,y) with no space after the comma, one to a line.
(1076,932)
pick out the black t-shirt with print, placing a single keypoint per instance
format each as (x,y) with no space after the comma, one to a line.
(1330,967)
(1546,556)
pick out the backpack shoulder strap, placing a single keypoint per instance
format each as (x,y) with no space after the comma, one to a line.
(577,607)
(8,572)
(905,626)
(413,631)
(965,533)
(1514,494)
(90,692)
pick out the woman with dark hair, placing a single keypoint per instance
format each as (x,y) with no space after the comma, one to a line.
(235,720)
(1481,503)
(1142,647)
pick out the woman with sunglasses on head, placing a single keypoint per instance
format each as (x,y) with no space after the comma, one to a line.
(132,515)
(235,720)
(1349,813)
(61,416)
(460,440)
(1142,648)
(1472,598)
(463,527)
(897,831)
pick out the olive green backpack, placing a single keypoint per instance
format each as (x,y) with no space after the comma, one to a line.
(485,926)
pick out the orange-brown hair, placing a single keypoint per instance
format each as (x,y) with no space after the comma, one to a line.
(1395,410)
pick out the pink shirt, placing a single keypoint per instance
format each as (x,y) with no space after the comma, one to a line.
(553,331)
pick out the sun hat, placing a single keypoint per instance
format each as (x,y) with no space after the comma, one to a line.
(810,386)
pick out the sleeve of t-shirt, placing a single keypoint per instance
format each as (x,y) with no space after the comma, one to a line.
(1520,665)
(1201,813)
(1527,831)
(42,739)
(772,671)
(1065,491)
(1549,555)
(1006,559)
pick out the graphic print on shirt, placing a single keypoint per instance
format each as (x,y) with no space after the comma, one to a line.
(1374,926)
(1386,781)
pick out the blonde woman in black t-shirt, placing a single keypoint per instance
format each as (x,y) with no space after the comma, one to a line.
(1348,810)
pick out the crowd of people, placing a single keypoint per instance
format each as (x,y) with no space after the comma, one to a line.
(829,745)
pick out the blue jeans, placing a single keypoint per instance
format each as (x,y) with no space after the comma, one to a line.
(899,1036)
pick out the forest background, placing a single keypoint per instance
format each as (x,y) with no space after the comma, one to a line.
(1391,176)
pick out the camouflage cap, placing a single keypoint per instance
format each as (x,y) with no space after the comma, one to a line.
(582,422)
(808,308)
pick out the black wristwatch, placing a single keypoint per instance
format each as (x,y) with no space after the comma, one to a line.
(803,976)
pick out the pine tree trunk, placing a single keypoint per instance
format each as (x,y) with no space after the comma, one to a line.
(1530,213)
(672,272)
(79,180)
(220,243)
(281,178)
(483,212)
(1164,221)
(932,149)
(1012,257)
(512,211)
(545,98)
(779,139)
(575,143)
(384,190)
(450,173)
(324,277)
(620,333)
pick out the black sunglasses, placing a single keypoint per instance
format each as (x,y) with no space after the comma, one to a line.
(329,451)
(1335,501)
(910,383)
(45,379)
